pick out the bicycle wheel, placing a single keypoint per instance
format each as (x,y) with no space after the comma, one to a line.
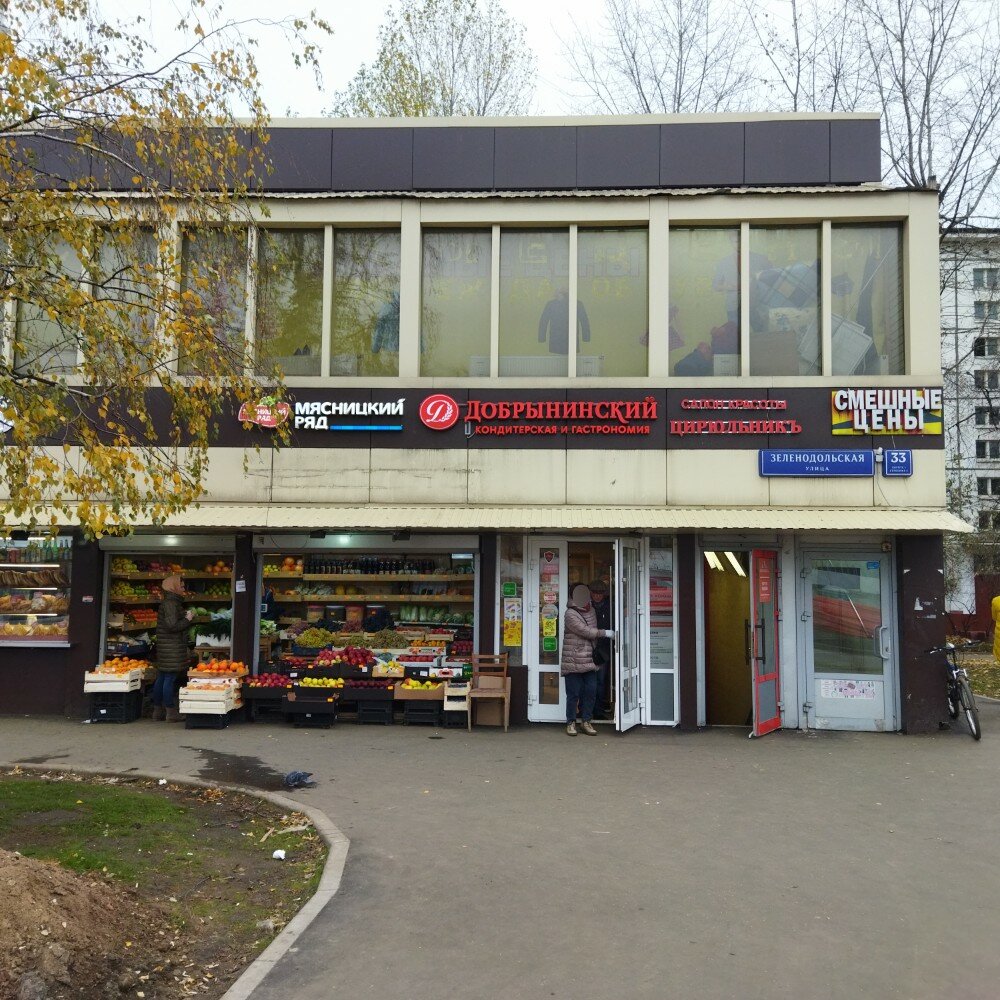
(953,701)
(969,707)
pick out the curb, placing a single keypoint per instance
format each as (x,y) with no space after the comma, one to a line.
(329,883)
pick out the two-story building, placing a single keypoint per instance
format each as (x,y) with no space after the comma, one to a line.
(696,357)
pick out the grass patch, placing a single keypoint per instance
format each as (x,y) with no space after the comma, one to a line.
(201,856)
(984,675)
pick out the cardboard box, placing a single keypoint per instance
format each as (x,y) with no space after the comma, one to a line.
(487,712)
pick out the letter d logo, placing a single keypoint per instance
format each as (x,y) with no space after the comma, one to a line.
(439,412)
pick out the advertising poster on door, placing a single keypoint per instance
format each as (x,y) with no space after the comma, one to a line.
(549,600)
(512,621)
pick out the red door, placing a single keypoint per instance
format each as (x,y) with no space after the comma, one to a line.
(764,648)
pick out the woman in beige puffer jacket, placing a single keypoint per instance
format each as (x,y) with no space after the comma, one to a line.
(579,671)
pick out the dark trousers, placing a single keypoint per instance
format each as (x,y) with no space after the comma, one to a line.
(582,689)
(165,689)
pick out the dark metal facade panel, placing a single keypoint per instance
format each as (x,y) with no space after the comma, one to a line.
(52,161)
(300,159)
(533,157)
(610,156)
(787,152)
(855,151)
(371,159)
(702,154)
(445,158)
(116,164)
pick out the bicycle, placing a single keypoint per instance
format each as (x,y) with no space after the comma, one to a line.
(960,696)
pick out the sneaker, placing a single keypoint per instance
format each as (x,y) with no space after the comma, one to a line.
(589,729)
(571,729)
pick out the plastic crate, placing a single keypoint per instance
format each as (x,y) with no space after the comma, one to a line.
(422,712)
(375,712)
(206,721)
(124,706)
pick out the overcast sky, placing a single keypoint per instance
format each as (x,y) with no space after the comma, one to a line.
(354,41)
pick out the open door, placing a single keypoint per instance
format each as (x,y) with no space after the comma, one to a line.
(626,624)
(764,644)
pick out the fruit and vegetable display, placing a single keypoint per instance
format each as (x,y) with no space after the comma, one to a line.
(121,665)
(232,667)
(368,685)
(461,647)
(218,568)
(316,638)
(141,616)
(289,566)
(269,680)
(296,662)
(412,684)
(123,565)
(350,656)
(322,682)
(124,591)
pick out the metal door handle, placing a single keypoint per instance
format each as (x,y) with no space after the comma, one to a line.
(882,648)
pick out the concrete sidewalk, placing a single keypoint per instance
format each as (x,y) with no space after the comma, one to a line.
(650,865)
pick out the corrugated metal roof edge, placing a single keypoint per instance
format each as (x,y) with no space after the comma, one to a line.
(516,517)
(868,187)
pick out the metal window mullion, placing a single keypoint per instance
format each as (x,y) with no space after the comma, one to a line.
(572,280)
(326,333)
(826,297)
(744,298)
(409,290)
(250,315)
(495,302)
(176,282)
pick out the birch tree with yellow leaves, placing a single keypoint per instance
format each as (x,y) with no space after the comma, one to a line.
(127,181)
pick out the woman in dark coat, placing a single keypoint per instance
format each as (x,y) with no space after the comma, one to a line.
(172,623)
(579,671)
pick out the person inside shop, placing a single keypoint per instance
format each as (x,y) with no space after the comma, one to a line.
(172,623)
(602,647)
(553,326)
(269,609)
(579,671)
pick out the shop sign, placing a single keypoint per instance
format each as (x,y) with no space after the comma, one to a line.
(887,411)
(325,415)
(267,413)
(439,412)
(813,462)
(735,417)
(597,418)
(897,463)
(509,588)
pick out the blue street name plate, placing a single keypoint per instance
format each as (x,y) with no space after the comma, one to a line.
(854,462)
(897,462)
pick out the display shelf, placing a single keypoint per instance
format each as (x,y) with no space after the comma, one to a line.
(35,640)
(35,614)
(284,576)
(388,577)
(31,588)
(164,575)
(204,599)
(376,599)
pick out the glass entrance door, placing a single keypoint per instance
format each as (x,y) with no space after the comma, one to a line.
(547,598)
(627,641)
(851,676)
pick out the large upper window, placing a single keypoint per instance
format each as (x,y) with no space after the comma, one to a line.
(867,306)
(365,337)
(123,277)
(785,301)
(613,293)
(214,288)
(42,343)
(455,315)
(534,305)
(704,302)
(290,299)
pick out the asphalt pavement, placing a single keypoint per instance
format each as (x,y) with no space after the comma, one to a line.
(653,864)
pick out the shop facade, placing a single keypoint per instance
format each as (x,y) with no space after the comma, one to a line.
(741,437)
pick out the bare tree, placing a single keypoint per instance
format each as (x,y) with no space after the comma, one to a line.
(810,56)
(935,75)
(663,56)
(444,57)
